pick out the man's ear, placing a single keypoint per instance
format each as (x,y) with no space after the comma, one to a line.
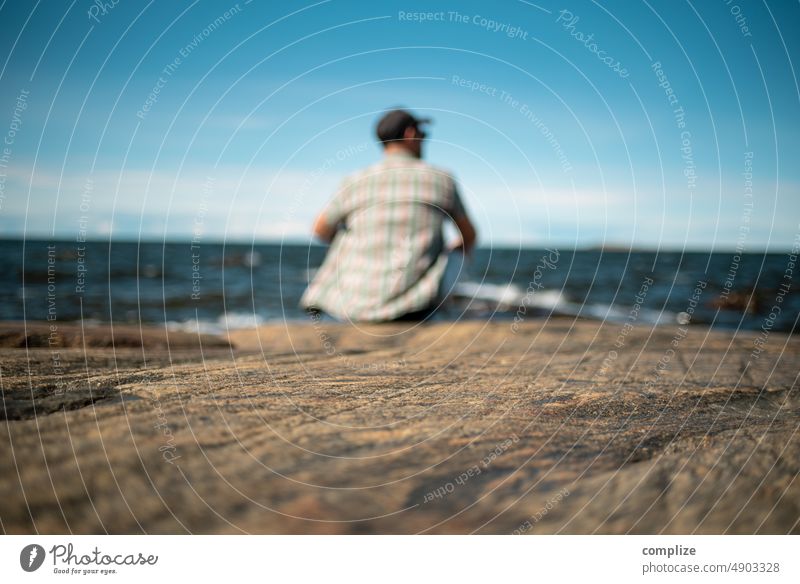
(410,133)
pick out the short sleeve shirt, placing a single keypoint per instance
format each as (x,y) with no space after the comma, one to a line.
(387,258)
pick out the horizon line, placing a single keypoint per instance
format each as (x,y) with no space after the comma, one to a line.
(607,248)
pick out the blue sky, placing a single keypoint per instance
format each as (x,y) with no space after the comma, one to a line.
(261,108)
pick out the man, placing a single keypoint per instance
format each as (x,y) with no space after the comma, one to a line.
(387,256)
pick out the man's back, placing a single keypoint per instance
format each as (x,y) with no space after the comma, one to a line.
(388,259)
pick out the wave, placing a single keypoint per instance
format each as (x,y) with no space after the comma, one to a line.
(510,298)
(225,322)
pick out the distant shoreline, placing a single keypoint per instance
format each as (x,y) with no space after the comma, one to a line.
(609,249)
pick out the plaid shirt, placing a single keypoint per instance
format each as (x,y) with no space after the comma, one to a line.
(387,258)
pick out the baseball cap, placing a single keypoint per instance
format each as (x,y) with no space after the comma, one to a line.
(394,123)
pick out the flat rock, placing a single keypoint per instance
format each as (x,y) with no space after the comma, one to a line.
(561,426)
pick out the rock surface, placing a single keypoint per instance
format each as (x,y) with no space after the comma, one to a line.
(558,427)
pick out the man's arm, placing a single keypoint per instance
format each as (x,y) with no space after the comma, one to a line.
(323,230)
(328,221)
(458,213)
(467,232)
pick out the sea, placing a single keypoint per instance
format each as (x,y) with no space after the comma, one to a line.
(212,287)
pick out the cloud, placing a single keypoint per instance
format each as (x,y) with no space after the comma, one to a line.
(272,204)
(238,201)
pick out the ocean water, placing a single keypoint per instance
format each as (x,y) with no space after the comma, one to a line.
(214,286)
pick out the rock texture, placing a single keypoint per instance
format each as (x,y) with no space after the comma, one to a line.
(553,427)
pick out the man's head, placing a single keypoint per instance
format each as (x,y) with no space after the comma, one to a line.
(398,129)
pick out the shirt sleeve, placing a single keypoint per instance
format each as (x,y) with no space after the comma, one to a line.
(334,212)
